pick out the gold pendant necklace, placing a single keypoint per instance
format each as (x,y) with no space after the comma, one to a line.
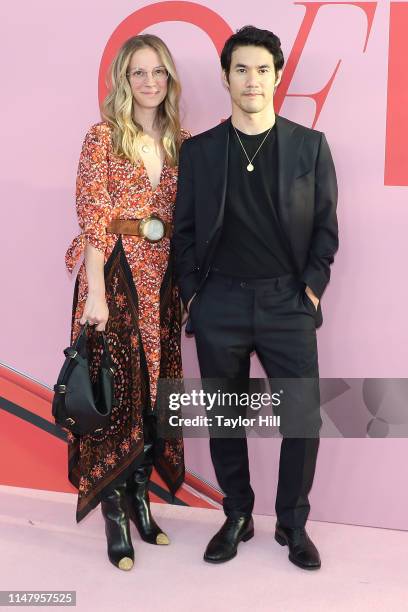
(250,166)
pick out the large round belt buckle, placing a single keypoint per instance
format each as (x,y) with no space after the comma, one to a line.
(152,228)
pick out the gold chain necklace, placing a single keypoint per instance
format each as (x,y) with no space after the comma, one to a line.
(250,165)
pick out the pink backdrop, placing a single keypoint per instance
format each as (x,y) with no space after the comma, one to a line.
(49,65)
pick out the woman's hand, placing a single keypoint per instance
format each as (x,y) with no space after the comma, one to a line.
(96,311)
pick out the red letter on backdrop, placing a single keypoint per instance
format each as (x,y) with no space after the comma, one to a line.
(312,8)
(396,151)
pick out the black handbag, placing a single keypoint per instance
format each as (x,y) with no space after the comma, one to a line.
(80,405)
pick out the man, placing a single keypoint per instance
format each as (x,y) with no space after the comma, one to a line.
(255,235)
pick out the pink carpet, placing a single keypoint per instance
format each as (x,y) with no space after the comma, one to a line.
(41,548)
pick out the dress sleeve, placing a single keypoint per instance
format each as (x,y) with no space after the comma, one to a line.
(93,202)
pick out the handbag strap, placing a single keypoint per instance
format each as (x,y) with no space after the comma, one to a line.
(77,348)
(106,353)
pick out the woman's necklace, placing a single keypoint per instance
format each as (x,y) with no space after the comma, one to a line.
(250,165)
(147,148)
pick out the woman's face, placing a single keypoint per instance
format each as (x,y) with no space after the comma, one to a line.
(148,78)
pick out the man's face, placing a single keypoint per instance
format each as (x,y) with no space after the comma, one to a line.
(252,78)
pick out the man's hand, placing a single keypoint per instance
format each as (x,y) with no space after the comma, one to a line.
(184,311)
(312,296)
(189,302)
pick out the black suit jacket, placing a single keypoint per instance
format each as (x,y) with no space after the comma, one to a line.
(307,199)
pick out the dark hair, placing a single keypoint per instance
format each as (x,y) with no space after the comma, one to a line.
(252,36)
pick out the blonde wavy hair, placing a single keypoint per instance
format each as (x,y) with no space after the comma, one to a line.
(117,108)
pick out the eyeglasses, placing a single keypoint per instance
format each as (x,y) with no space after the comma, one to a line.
(160,75)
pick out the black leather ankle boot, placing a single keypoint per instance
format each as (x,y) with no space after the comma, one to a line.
(114,511)
(139,503)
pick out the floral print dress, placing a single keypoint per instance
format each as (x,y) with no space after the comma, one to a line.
(143,330)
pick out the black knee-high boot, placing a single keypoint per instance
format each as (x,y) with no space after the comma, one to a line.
(115,513)
(138,498)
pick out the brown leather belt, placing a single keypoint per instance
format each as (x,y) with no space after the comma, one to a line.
(152,228)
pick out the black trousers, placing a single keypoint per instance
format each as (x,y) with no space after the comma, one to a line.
(233,317)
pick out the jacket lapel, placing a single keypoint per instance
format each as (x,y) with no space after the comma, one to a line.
(289,141)
(216,154)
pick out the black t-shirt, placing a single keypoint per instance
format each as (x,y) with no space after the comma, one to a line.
(251,243)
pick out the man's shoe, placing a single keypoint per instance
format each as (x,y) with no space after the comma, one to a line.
(302,551)
(223,546)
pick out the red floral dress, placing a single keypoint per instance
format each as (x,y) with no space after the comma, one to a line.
(143,330)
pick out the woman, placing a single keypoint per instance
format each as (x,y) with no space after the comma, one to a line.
(126,189)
